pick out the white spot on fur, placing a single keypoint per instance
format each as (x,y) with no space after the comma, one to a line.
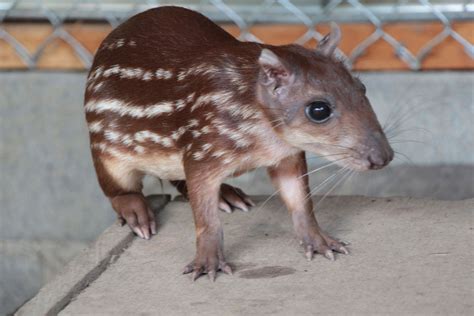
(95,74)
(114,70)
(131,73)
(228,160)
(206,147)
(238,138)
(95,127)
(198,155)
(190,97)
(180,104)
(219,153)
(139,149)
(117,44)
(163,74)
(101,146)
(147,76)
(112,136)
(142,136)
(127,139)
(193,123)
(196,134)
(209,115)
(206,130)
(98,87)
(178,133)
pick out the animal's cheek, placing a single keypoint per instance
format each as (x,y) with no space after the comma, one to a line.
(303,137)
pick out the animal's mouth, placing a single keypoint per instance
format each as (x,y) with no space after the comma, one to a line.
(356,163)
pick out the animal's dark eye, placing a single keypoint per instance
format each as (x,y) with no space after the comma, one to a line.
(318,111)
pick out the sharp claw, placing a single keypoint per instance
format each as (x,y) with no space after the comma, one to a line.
(249,201)
(212,275)
(153,228)
(242,206)
(138,232)
(226,269)
(344,250)
(188,269)
(196,275)
(225,207)
(309,253)
(146,233)
(329,254)
(345,243)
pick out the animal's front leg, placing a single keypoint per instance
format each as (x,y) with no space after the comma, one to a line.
(203,192)
(290,178)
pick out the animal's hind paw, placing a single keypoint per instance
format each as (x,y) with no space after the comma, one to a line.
(234,198)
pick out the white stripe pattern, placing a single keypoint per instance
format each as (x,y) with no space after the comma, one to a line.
(133,73)
(201,69)
(135,111)
(217,98)
(139,137)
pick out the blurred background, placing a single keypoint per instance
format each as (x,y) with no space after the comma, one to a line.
(415,57)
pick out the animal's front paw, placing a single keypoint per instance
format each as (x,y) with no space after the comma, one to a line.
(209,257)
(209,266)
(234,198)
(133,209)
(323,244)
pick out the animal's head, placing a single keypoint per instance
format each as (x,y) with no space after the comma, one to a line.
(315,104)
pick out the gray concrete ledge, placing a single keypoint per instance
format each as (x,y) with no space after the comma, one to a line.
(85,268)
(408,256)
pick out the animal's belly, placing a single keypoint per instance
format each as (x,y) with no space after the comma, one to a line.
(163,166)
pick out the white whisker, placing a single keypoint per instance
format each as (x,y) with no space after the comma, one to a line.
(323,167)
(344,177)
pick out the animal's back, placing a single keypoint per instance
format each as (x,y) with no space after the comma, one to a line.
(155,37)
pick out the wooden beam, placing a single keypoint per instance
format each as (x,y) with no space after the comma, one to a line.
(380,56)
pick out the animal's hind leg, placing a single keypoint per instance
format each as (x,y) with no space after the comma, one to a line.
(123,186)
(230,197)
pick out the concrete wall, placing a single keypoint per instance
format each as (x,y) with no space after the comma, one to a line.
(51,204)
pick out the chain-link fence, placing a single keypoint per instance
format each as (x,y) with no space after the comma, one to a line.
(244,15)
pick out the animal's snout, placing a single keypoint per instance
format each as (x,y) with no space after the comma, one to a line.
(379,153)
(378,159)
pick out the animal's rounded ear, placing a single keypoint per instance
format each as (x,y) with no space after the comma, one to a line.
(274,73)
(327,46)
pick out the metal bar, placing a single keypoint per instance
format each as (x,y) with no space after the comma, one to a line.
(385,13)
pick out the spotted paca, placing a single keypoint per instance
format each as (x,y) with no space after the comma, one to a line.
(171,94)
